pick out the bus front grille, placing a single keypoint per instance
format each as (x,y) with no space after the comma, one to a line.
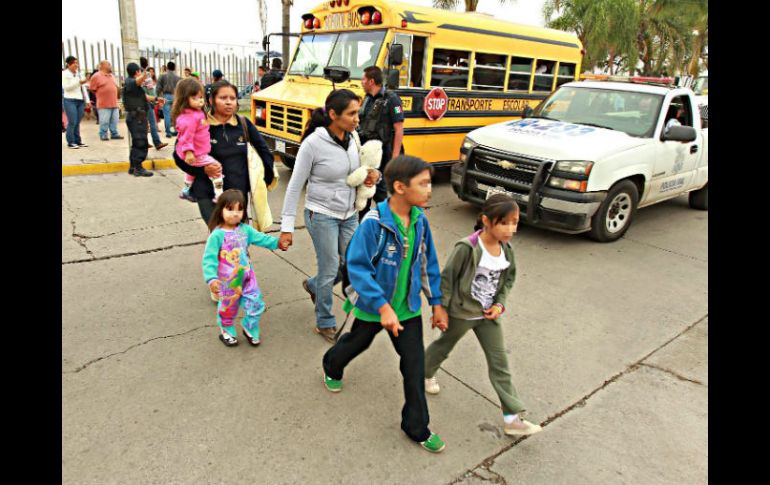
(286,119)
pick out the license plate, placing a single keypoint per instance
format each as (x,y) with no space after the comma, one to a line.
(499,190)
(280,146)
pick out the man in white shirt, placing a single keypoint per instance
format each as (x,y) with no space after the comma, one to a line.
(74,101)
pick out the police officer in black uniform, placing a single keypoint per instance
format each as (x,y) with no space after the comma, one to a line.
(381,118)
(137,107)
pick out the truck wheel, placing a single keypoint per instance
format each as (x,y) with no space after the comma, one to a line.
(287,161)
(614,216)
(699,199)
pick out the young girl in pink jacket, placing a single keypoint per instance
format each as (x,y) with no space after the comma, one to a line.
(193,142)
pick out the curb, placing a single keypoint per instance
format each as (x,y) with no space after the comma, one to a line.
(114,167)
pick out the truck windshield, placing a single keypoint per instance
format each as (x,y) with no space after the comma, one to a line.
(632,113)
(354,50)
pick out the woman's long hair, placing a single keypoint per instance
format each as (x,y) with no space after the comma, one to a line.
(338,100)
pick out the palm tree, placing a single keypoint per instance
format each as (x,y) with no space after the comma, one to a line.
(470,5)
(606,28)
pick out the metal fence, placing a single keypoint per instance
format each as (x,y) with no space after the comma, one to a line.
(239,70)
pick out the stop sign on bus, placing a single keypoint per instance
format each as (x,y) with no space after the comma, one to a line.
(435,104)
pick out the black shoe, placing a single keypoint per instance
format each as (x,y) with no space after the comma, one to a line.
(252,340)
(116,137)
(230,341)
(307,288)
(141,172)
(131,170)
(82,145)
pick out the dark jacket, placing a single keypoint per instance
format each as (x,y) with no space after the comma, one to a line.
(229,148)
(270,78)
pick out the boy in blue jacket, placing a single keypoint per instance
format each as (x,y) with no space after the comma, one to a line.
(391,258)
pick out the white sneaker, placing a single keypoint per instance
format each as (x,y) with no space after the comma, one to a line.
(431,385)
(521,427)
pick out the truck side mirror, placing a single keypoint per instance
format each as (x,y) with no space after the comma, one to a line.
(527,112)
(396,56)
(679,133)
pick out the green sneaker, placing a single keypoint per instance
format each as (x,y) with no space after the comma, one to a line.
(433,444)
(332,384)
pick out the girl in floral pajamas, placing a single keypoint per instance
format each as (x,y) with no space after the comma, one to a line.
(227,269)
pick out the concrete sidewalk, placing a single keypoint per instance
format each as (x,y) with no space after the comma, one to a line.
(110,156)
(607,344)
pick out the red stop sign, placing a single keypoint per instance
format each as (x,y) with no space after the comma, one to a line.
(435,104)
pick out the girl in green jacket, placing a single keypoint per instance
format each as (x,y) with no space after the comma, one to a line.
(474,284)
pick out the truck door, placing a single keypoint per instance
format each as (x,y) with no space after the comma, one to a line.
(675,162)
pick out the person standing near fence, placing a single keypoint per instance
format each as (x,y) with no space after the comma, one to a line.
(165,88)
(149,88)
(74,100)
(104,84)
(137,106)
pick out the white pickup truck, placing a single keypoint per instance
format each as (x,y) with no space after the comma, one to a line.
(591,154)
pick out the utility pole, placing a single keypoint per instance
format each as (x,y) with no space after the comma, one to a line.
(285,28)
(129,36)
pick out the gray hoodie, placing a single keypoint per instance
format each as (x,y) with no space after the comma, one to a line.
(325,166)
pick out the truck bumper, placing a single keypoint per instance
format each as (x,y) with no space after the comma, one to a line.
(558,210)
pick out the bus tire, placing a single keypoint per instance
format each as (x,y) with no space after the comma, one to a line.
(699,199)
(287,161)
(614,215)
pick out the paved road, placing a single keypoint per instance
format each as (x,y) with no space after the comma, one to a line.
(607,344)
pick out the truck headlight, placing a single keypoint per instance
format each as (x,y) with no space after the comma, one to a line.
(567,184)
(578,167)
(466,148)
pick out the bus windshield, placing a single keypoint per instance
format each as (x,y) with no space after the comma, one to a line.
(630,112)
(354,50)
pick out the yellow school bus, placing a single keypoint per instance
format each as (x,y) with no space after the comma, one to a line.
(487,70)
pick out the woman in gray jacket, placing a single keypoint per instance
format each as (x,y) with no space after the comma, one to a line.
(327,155)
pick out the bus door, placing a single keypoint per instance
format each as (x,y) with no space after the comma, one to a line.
(411,77)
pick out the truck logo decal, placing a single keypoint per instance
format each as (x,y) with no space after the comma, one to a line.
(671,184)
(548,128)
(506,164)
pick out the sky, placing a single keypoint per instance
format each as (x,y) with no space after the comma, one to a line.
(201,24)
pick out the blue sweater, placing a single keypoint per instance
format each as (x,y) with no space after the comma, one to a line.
(373,286)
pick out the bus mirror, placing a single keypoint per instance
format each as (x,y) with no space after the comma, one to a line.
(336,74)
(393,76)
(396,56)
(527,112)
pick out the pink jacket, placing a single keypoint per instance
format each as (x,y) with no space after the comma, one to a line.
(193,132)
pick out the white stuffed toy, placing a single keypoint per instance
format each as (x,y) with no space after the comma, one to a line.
(370,155)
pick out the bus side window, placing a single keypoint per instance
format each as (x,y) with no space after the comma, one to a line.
(519,74)
(450,69)
(418,62)
(489,72)
(566,73)
(544,75)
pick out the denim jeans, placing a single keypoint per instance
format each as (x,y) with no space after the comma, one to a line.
(108,119)
(330,239)
(74,109)
(153,127)
(167,114)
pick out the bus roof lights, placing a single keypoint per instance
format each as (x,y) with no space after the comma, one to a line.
(366,18)
(347,2)
(403,23)
(339,3)
(376,18)
(317,23)
(309,23)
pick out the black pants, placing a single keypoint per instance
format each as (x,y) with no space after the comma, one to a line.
(137,126)
(409,345)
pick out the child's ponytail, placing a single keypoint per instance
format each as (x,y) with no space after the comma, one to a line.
(496,208)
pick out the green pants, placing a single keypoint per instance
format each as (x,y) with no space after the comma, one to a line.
(490,335)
